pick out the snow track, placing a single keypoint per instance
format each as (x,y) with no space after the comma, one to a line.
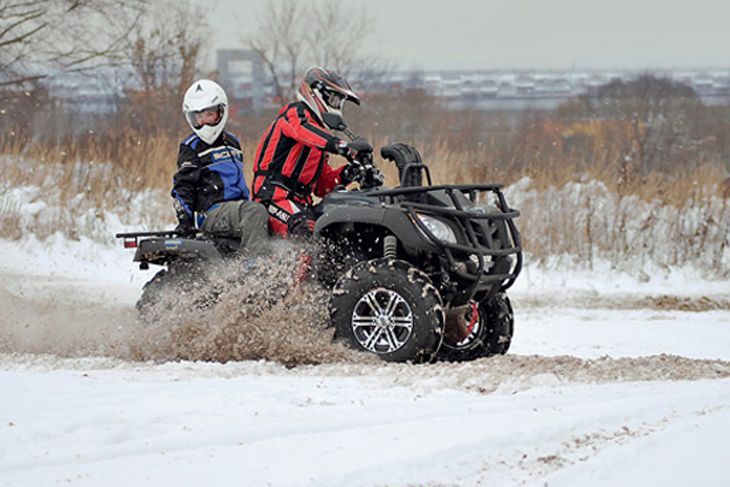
(102,422)
(601,387)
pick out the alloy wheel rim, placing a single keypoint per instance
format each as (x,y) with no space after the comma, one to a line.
(382,321)
(469,338)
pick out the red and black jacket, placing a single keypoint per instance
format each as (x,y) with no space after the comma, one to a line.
(292,158)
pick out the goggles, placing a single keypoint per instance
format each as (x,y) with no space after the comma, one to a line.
(207,116)
(333,99)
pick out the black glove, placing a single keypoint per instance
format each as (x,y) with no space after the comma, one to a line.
(185,228)
(352,150)
(354,171)
(376,178)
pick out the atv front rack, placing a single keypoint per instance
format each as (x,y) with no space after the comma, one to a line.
(479,243)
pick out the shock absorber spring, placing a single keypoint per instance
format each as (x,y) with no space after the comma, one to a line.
(390,247)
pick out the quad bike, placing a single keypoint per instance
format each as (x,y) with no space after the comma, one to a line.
(417,272)
(182,260)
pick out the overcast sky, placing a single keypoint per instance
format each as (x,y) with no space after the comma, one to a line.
(499,34)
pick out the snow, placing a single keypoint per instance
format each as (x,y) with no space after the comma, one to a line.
(152,425)
(588,220)
(593,333)
(562,408)
(690,452)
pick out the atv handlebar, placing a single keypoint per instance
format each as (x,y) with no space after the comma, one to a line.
(369,176)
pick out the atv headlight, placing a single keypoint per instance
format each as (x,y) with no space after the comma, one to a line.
(439,229)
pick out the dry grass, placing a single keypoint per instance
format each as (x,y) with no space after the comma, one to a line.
(668,218)
(136,162)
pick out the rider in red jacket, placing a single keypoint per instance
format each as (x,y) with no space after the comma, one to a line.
(291,160)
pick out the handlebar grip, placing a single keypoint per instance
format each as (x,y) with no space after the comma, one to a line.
(361,145)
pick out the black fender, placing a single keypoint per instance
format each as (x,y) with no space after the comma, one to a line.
(161,250)
(394,220)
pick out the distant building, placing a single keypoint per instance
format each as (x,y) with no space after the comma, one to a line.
(243,74)
(539,89)
(86,94)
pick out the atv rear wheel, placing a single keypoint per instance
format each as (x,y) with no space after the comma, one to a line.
(490,333)
(152,292)
(390,308)
(184,285)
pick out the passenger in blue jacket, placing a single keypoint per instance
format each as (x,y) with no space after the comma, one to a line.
(209,188)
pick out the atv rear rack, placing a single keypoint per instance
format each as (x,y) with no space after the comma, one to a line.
(464,219)
(131,240)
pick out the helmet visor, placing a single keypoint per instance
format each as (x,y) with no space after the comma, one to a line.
(207,116)
(333,99)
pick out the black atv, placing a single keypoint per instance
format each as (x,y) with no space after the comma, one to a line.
(182,260)
(417,272)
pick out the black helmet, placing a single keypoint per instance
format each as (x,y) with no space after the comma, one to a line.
(325,92)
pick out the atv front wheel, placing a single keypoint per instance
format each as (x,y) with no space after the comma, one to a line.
(390,308)
(489,333)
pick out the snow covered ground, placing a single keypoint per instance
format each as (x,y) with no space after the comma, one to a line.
(585,395)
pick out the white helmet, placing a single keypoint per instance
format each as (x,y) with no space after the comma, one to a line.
(206,96)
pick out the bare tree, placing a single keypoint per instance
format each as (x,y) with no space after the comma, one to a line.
(163,53)
(329,33)
(19,23)
(164,49)
(279,42)
(336,36)
(39,38)
(651,120)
